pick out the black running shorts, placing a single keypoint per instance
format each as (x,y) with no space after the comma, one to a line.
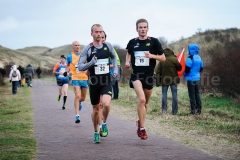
(147,82)
(96,90)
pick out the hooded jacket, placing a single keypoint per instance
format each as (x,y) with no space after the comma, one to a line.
(29,70)
(194,64)
(18,77)
(166,72)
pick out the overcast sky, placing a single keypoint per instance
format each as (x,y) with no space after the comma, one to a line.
(53,23)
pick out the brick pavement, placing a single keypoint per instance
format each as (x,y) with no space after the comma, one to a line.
(59,137)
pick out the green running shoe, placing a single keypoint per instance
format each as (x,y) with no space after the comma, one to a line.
(96,138)
(104,130)
(58,99)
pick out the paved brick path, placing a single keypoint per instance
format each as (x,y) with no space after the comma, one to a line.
(60,138)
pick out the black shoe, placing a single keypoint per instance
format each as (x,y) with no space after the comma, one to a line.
(63,107)
(198,112)
(192,113)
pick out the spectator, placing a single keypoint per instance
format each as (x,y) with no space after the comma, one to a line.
(21,70)
(194,65)
(14,78)
(30,75)
(167,76)
(39,71)
(2,71)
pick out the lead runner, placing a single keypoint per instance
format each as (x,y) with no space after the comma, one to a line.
(143,52)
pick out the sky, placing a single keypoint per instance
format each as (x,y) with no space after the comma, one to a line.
(54,23)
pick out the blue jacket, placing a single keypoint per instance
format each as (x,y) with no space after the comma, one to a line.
(194,64)
(111,69)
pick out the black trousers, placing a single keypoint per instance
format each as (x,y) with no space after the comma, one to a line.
(194,95)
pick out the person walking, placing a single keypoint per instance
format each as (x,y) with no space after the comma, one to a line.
(97,55)
(143,52)
(167,76)
(79,79)
(14,77)
(21,70)
(194,66)
(62,79)
(29,75)
(39,71)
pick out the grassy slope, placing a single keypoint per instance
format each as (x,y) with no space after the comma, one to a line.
(19,58)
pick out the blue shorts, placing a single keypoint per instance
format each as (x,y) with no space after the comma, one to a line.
(62,81)
(80,83)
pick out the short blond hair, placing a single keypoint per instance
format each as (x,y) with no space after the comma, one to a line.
(141,21)
(98,25)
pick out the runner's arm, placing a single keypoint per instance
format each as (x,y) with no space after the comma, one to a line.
(160,58)
(82,65)
(128,59)
(55,68)
(159,50)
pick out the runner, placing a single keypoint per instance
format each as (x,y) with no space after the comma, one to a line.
(143,52)
(111,70)
(79,79)
(62,79)
(97,54)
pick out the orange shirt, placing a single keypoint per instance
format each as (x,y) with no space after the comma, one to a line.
(72,61)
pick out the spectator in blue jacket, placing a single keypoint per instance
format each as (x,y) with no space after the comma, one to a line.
(194,65)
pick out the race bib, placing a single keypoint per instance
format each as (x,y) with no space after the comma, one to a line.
(62,70)
(141,59)
(76,66)
(102,66)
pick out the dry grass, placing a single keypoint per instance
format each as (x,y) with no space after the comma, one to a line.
(182,128)
(25,58)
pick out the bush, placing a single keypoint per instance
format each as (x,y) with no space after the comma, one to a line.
(225,66)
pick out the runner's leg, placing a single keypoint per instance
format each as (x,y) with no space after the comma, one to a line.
(141,101)
(106,99)
(148,94)
(76,99)
(65,88)
(95,117)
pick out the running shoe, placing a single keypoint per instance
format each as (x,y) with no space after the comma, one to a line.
(59,97)
(96,138)
(77,119)
(142,134)
(104,130)
(80,106)
(138,128)
(63,107)
(100,132)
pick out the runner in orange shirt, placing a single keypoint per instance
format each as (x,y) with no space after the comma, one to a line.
(79,78)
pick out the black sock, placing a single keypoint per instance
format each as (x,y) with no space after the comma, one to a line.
(64,100)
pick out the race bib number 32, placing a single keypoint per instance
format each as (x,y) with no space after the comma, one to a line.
(102,66)
(141,59)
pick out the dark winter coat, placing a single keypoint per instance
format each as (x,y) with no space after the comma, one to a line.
(166,72)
